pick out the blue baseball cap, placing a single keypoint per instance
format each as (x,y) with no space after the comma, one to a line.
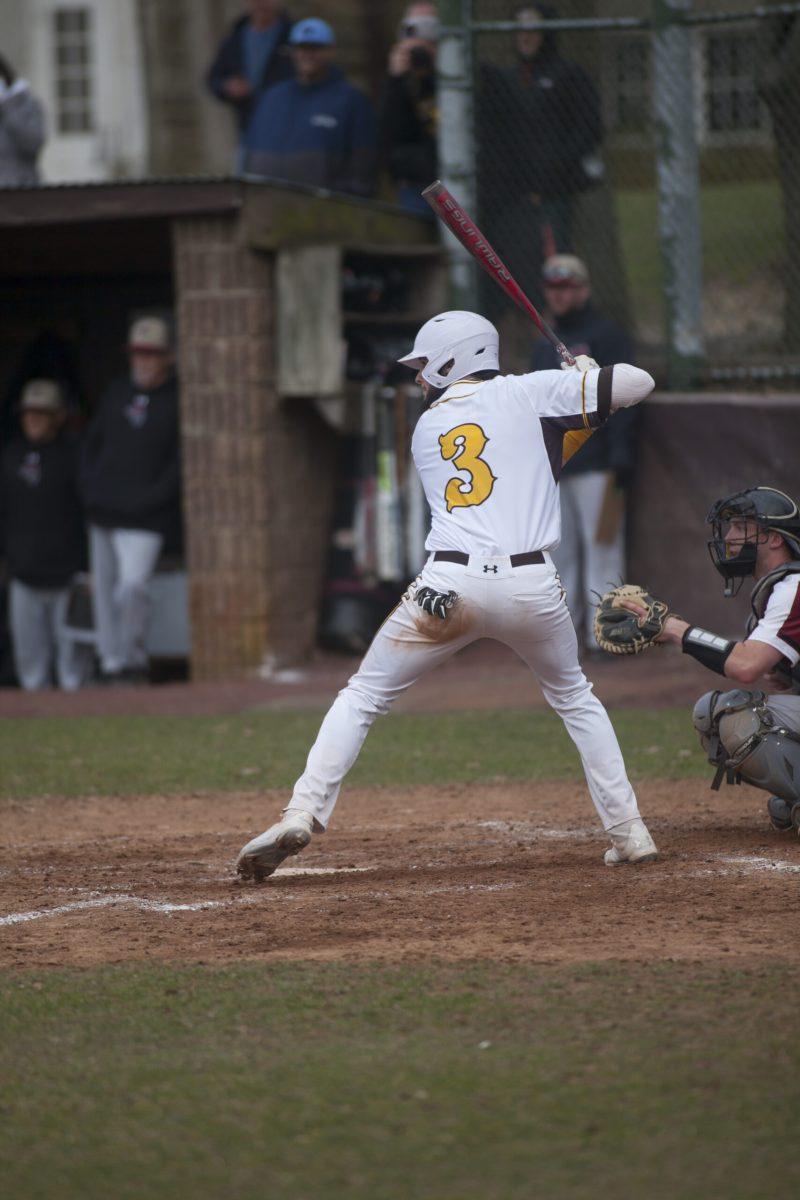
(312,32)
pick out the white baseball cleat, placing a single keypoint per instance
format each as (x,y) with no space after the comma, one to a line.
(264,853)
(630,843)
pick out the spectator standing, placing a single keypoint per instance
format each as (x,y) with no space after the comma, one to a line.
(316,128)
(22,130)
(131,481)
(591,554)
(539,137)
(251,58)
(45,541)
(408,118)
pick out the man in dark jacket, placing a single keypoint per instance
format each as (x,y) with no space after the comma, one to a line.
(591,554)
(251,58)
(539,135)
(45,540)
(316,128)
(131,483)
(408,115)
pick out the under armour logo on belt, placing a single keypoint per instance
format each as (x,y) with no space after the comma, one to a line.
(487,569)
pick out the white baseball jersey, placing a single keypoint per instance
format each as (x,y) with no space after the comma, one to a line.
(489,454)
(780,625)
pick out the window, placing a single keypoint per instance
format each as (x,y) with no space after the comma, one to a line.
(731,100)
(72,42)
(627,85)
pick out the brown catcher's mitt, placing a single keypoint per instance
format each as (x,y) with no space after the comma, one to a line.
(620,631)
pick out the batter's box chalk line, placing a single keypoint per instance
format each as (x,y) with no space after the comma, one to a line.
(123,900)
(755,862)
(527,829)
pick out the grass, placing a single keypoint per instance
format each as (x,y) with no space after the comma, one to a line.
(69,756)
(729,215)
(387,1083)
(478,1081)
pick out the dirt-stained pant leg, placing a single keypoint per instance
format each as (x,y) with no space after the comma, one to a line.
(524,608)
(408,644)
(534,621)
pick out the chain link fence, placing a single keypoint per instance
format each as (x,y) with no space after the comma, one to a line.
(660,142)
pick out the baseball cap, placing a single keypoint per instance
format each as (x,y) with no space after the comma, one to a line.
(149,333)
(312,32)
(42,395)
(565,268)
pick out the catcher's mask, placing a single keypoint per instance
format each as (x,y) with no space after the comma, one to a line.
(769,511)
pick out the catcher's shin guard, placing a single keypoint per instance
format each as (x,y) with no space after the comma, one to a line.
(744,738)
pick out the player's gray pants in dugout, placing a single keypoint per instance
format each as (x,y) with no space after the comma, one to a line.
(37,617)
(524,608)
(122,563)
(587,567)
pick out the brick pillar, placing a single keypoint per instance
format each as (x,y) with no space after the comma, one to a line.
(257,474)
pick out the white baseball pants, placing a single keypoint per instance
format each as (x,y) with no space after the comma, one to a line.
(524,608)
(585,565)
(37,617)
(122,563)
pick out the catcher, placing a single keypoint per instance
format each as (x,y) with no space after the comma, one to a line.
(748,734)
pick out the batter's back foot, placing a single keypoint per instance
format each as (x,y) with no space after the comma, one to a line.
(264,853)
(630,843)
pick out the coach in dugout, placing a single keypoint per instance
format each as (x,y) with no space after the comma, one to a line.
(316,128)
(44,540)
(591,555)
(131,483)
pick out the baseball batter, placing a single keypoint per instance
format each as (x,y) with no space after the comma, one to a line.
(489,450)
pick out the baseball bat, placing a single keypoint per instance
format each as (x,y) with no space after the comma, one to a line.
(459,223)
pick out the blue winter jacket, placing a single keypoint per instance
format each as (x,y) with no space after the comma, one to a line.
(321,134)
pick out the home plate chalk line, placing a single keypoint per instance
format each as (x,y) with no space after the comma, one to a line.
(120,898)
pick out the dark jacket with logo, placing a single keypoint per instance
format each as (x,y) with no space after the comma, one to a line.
(229,61)
(613,446)
(323,134)
(41,514)
(131,463)
(539,128)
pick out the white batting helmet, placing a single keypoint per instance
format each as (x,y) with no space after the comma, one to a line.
(461,341)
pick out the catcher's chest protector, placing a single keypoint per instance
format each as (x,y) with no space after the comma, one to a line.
(759,598)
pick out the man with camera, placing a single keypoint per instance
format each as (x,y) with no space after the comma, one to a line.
(408,112)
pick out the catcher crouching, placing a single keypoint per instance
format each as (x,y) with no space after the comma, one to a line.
(749,735)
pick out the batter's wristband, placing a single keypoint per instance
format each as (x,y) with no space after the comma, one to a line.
(712,651)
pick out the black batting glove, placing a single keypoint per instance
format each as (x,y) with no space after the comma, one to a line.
(437,604)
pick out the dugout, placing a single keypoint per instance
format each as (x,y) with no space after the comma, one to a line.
(253,274)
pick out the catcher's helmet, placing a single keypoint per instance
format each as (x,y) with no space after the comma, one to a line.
(770,510)
(452,346)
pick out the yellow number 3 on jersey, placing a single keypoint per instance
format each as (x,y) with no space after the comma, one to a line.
(464,445)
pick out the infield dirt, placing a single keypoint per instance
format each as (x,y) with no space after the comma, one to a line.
(509,871)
